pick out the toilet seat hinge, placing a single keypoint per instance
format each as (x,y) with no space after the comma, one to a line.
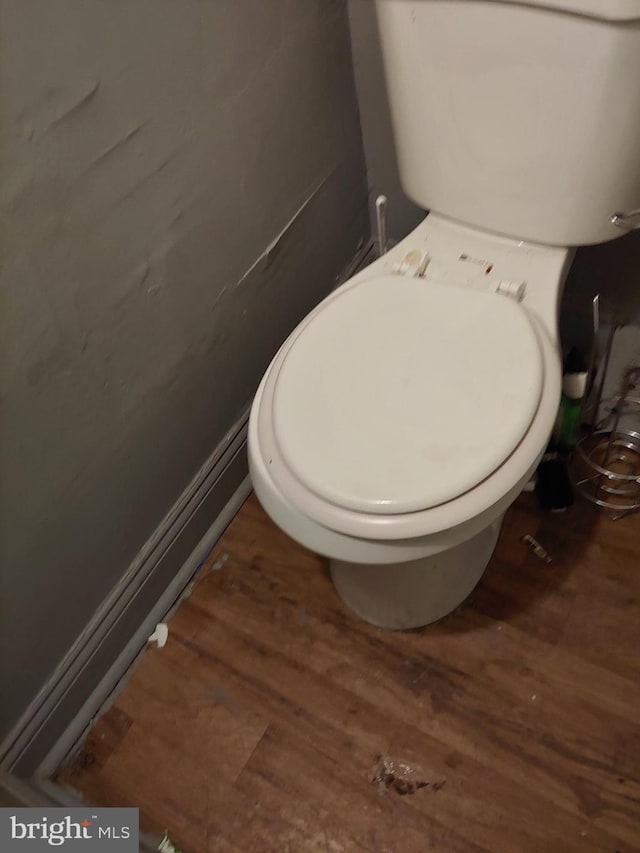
(414,264)
(515,289)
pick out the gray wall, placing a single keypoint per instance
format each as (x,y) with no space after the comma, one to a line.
(181,182)
(377,136)
(612,269)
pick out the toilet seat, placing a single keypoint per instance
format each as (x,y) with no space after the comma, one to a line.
(467,377)
(388,538)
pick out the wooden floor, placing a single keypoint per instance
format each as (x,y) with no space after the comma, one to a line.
(260,725)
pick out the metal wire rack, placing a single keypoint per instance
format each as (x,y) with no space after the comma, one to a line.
(605,467)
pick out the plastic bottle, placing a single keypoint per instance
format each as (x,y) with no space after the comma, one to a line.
(574,382)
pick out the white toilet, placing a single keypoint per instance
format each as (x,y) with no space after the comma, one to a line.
(403,416)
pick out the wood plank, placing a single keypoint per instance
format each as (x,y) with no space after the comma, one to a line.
(489,719)
(258,726)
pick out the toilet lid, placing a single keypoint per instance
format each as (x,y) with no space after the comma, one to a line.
(400,394)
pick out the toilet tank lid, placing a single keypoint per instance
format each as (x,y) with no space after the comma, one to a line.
(605,10)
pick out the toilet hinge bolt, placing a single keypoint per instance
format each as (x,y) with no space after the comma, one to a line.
(514,289)
(413,265)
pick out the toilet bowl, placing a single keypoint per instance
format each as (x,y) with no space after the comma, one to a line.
(405,413)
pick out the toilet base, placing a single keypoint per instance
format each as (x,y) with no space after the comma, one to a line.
(399,596)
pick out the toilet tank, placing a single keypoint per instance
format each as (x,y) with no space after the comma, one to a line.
(517,118)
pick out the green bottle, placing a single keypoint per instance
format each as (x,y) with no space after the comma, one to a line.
(574,382)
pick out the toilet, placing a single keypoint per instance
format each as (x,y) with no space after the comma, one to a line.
(406,412)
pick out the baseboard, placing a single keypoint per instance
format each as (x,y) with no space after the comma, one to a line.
(102,654)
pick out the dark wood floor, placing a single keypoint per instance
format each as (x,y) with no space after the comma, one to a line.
(260,725)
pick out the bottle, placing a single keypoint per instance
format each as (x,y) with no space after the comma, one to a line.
(574,383)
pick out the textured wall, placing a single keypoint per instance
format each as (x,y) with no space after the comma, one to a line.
(181,181)
(377,135)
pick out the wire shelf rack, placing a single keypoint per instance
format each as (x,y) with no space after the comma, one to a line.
(605,466)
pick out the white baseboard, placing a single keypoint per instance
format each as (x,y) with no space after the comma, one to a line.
(102,654)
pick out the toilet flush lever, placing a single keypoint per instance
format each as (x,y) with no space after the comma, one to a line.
(629,221)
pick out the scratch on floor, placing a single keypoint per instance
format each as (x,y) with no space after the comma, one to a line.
(398,777)
(221,696)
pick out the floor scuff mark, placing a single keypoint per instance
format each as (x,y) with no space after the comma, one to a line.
(388,774)
(220,695)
